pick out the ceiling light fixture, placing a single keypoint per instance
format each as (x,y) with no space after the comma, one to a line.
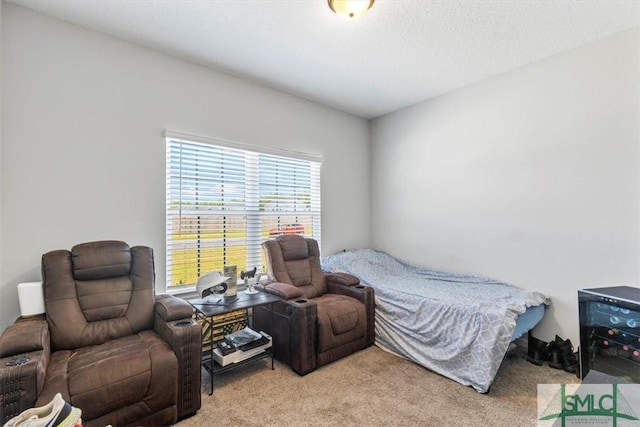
(350,9)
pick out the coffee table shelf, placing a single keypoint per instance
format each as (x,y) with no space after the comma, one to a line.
(208,308)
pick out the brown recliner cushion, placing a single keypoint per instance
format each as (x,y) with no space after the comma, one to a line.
(138,373)
(341,320)
(295,260)
(98,260)
(88,312)
(293,247)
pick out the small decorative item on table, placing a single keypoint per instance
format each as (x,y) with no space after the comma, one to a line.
(232,284)
(211,283)
(250,280)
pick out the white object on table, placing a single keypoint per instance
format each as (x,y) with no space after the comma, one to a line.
(31,298)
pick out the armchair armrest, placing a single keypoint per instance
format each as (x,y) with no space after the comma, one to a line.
(302,315)
(362,293)
(25,335)
(24,356)
(343,279)
(282,290)
(293,328)
(171,308)
(175,325)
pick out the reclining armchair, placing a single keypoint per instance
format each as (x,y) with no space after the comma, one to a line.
(106,342)
(324,316)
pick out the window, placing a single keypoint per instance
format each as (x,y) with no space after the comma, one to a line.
(224,200)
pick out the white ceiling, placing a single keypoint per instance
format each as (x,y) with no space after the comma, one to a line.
(400,53)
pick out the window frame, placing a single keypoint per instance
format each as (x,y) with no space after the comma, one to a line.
(252,210)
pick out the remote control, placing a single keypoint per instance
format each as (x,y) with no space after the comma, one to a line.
(225,348)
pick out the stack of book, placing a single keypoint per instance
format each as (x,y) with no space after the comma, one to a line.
(240,346)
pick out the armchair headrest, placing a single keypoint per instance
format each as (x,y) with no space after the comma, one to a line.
(293,247)
(100,260)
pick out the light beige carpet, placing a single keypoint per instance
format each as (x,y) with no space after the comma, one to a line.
(371,388)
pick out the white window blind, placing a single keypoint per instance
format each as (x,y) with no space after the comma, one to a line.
(223,202)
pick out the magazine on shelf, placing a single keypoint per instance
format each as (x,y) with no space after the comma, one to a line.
(242,337)
(243,353)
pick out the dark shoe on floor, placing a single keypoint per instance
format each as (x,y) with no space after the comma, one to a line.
(536,351)
(567,356)
(554,356)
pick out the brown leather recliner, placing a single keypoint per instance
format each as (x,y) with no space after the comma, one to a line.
(325,316)
(107,344)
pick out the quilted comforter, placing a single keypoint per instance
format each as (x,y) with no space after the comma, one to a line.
(456,325)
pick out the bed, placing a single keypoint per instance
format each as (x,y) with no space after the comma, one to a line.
(459,326)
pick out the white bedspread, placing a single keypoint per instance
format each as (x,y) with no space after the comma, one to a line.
(456,325)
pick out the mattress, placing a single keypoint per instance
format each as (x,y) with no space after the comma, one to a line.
(459,326)
(527,320)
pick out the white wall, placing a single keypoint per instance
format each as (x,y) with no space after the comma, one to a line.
(83,154)
(530,177)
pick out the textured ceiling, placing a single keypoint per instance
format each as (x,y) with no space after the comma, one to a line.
(398,54)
